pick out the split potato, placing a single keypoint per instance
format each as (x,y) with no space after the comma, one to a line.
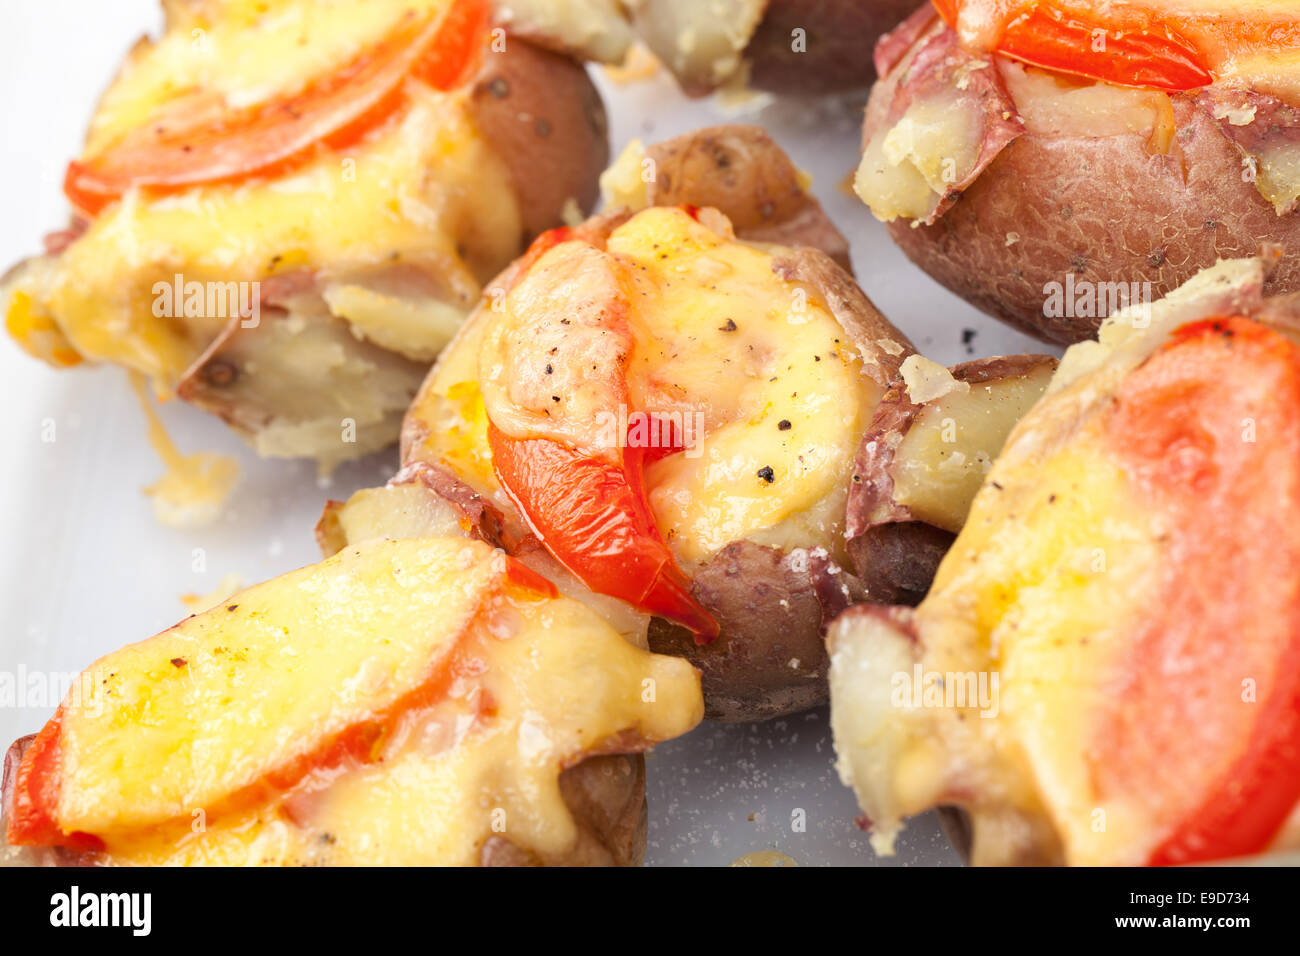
(1050,198)
(672,403)
(1103,670)
(412,701)
(294,265)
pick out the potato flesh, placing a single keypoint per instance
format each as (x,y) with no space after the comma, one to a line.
(946,454)
(393,511)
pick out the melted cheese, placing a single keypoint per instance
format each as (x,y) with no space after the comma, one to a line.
(159,761)
(424,195)
(195,487)
(243,52)
(719,336)
(747,351)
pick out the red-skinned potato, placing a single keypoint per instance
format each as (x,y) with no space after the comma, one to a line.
(1103,671)
(578,332)
(413,726)
(1049,201)
(755,669)
(297,269)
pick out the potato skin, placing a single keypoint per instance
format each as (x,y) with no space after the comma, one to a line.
(542,115)
(771,607)
(606,795)
(1104,209)
(740,170)
(839,37)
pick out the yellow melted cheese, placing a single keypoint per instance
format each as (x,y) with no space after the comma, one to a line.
(244,52)
(425,193)
(1054,562)
(148,763)
(719,334)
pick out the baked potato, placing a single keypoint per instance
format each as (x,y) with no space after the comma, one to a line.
(671,403)
(1082,158)
(282,216)
(412,701)
(1104,670)
(785,46)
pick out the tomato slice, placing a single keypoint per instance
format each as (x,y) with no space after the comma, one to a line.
(36,790)
(1141,51)
(1204,731)
(337,109)
(594,517)
(34,820)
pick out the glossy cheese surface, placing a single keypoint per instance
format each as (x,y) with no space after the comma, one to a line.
(461,694)
(756,366)
(420,204)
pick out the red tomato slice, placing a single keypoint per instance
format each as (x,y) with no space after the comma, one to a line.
(1208,429)
(594,517)
(34,820)
(337,109)
(1140,51)
(36,791)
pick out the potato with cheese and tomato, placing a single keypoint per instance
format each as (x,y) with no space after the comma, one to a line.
(1052,161)
(785,46)
(1106,668)
(413,701)
(670,399)
(283,211)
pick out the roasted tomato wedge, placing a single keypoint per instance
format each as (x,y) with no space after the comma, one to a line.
(1205,733)
(593,516)
(207,143)
(1122,47)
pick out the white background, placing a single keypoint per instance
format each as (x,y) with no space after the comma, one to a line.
(85,567)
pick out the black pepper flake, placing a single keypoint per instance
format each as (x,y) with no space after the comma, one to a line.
(555,398)
(996,485)
(231,607)
(767,474)
(730,326)
(967,340)
(783,424)
(549,370)
(179,662)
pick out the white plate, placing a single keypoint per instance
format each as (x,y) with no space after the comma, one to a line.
(86,568)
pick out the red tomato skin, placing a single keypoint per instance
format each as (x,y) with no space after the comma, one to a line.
(1177,428)
(593,516)
(238,148)
(1154,56)
(32,821)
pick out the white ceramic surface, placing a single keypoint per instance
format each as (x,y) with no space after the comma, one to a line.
(85,567)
